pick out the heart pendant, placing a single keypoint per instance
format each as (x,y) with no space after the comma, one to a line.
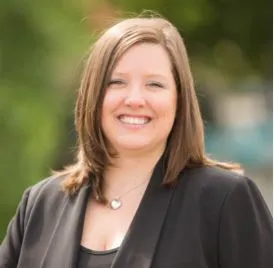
(115,203)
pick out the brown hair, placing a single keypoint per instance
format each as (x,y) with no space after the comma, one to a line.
(185,145)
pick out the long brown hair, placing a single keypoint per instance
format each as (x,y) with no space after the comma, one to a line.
(185,145)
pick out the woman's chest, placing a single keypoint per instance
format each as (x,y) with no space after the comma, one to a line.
(105,228)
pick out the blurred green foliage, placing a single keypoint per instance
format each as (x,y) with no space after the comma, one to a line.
(42,44)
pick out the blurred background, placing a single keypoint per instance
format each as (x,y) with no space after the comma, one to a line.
(43,45)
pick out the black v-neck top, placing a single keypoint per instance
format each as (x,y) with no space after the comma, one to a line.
(88,258)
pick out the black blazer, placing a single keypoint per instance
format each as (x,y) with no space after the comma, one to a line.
(211,219)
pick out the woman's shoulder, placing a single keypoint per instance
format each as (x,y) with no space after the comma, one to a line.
(214,181)
(45,193)
(50,185)
(215,190)
(214,175)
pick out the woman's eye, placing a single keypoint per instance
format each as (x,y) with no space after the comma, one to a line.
(156,84)
(117,82)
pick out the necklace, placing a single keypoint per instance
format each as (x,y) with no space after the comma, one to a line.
(116,202)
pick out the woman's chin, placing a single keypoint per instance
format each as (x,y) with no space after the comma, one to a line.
(141,146)
(133,146)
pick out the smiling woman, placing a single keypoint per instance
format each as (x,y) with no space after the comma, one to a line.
(142,193)
(140,99)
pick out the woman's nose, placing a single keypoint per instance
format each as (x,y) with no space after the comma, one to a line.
(134,98)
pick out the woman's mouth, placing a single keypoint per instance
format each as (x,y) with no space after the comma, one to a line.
(134,120)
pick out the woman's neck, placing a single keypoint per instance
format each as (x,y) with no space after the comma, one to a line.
(129,170)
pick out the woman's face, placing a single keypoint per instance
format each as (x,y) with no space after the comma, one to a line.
(140,101)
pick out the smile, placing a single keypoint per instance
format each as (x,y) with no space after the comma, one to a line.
(131,120)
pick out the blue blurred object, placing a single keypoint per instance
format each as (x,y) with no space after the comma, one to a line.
(250,146)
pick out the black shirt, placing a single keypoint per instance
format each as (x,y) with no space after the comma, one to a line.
(95,259)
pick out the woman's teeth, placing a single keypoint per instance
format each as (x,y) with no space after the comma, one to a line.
(134,120)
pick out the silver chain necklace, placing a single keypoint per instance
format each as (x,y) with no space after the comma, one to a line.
(116,202)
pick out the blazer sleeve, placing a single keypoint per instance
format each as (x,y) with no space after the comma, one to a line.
(11,245)
(245,234)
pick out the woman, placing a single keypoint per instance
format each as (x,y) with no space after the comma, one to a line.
(142,192)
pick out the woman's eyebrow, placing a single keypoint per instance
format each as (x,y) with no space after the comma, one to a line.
(119,74)
(156,75)
(146,75)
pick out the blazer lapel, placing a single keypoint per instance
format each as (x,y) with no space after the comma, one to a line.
(139,245)
(63,248)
